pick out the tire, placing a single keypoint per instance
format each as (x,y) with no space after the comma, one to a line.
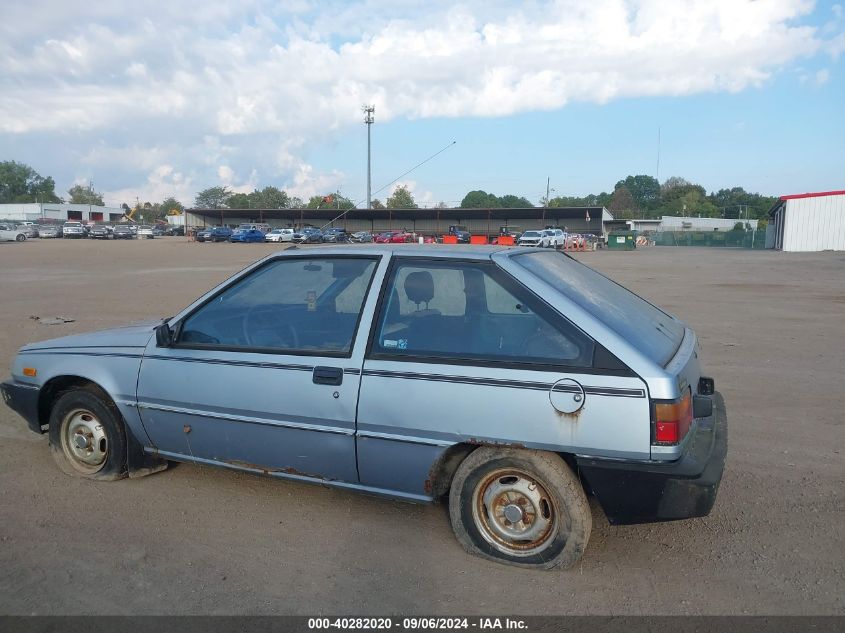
(558,533)
(83,414)
(20,237)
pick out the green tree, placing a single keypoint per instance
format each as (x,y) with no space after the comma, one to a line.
(511,201)
(622,203)
(377,204)
(171,204)
(270,198)
(85,195)
(295,202)
(736,202)
(213,198)
(238,201)
(679,196)
(479,199)
(21,183)
(645,190)
(692,202)
(401,198)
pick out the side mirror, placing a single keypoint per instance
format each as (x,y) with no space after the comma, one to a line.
(164,335)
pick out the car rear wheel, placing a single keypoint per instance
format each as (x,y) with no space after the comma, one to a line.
(521,507)
(20,237)
(87,438)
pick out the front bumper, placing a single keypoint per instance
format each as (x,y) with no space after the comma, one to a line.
(638,492)
(23,399)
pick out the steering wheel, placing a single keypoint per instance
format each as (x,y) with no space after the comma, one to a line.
(262,327)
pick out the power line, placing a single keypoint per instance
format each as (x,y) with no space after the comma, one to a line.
(418,165)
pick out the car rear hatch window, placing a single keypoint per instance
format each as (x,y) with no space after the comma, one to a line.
(653,332)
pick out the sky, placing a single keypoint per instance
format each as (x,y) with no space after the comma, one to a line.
(164,97)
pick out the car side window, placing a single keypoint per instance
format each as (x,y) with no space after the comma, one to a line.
(474,312)
(290,305)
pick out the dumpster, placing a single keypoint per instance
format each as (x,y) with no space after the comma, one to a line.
(622,240)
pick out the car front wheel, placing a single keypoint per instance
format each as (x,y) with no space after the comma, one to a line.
(521,507)
(87,437)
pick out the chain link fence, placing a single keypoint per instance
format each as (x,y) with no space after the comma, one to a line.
(727,239)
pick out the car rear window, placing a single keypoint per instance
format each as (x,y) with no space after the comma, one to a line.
(655,333)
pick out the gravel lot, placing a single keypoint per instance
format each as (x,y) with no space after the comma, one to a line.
(199,540)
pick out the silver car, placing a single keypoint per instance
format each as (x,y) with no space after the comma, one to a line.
(515,382)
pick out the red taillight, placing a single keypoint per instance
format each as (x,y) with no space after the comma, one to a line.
(672,420)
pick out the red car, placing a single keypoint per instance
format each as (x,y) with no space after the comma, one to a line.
(384,237)
(402,237)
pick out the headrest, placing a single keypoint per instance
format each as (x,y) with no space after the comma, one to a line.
(419,287)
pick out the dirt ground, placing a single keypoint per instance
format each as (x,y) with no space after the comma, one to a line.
(197,540)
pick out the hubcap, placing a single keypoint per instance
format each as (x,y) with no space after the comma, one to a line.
(84,441)
(514,512)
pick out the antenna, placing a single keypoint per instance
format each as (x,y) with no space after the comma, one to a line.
(658,154)
(369,118)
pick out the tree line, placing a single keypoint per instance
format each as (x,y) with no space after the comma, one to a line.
(639,196)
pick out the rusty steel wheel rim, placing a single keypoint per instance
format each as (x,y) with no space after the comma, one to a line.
(514,512)
(84,441)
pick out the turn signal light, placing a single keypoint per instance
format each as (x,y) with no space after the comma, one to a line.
(672,420)
(30,371)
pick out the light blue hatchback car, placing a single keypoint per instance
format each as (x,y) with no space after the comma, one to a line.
(513,381)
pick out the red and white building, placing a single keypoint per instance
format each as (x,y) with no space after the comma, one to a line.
(808,222)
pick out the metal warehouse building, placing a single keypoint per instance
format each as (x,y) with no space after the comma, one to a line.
(427,221)
(808,222)
(59,212)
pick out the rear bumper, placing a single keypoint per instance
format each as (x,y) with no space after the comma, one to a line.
(23,399)
(637,492)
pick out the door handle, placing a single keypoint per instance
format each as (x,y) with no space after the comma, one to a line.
(328,376)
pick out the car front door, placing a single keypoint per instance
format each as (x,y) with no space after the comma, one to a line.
(463,354)
(264,374)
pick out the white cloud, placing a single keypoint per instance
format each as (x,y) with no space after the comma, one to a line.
(253,86)
(822,76)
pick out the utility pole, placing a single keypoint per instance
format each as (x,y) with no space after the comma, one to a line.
(369,111)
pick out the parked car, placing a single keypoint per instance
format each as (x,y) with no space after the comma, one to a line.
(74,229)
(204,235)
(247,235)
(123,232)
(521,394)
(46,231)
(384,237)
(174,230)
(335,235)
(158,231)
(144,230)
(557,238)
(9,233)
(361,237)
(30,229)
(221,234)
(401,237)
(279,235)
(308,235)
(539,239)
(249,226)
(100,231)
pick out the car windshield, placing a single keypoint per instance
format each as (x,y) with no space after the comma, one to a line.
(653,332)
(531,234)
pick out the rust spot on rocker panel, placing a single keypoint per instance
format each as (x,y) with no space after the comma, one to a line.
(476,442)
